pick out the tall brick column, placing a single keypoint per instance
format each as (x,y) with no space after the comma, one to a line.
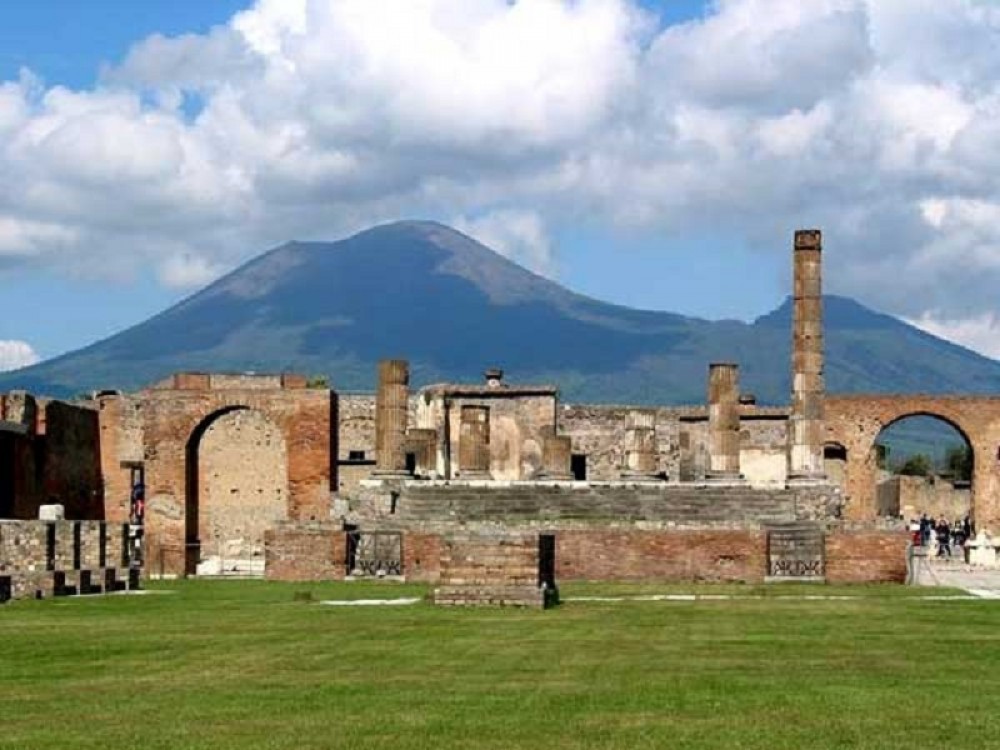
(640,445)
(805,425)
(557,451)
(391,409)
(474,443)
(723,421)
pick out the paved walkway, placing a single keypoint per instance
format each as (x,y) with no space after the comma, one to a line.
(954,572)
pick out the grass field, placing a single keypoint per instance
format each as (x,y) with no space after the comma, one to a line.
(245,665)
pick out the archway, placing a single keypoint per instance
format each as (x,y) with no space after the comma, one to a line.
(924,464)
(237,488)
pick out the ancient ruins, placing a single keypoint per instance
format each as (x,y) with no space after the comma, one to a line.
(492,491)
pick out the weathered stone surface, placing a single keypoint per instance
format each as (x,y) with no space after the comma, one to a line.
(724,421)
(51,558)
(391,415)
(854,423)
(805,447)
(474,442)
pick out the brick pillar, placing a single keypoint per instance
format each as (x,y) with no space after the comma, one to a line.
(805,425)
(423,444)
(723,421)
(391,409)
(640,445)
(557,452)
(474,443)
(20,407)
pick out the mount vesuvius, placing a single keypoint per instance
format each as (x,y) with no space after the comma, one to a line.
(425,292)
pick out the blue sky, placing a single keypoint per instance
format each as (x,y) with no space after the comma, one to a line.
(666,170)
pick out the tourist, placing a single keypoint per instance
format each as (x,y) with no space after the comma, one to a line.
(943,537)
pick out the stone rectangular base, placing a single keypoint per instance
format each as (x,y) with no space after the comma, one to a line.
(490,596)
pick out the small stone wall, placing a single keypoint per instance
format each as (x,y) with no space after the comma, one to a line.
(53,558)
(306,551)
(490,569)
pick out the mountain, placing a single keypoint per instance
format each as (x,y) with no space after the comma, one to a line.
(452,306)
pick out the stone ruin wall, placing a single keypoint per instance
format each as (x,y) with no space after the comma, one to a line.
(54,456)
(596,431)
(120,416)
(53,558)
(242,484)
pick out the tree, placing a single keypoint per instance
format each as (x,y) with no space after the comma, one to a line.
(958,461)
(917,465)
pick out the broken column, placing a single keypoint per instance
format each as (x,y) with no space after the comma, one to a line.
(723,422)
(474,443)
(423,444)
(391,410)
(640,445)
(557,454)
(805,425)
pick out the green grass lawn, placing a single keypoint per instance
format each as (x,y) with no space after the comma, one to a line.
(245,665)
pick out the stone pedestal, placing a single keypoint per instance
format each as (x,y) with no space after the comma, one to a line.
(474,443)
(981,551)
(805,425)
(391,411)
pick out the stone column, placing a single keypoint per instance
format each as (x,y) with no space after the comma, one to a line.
(423,444)
(391,410)
(557,452)
(640,445)
(723,422)
(474,443)
(806,425)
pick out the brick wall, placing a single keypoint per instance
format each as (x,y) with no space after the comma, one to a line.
(305,552)
(421,557)
(669,555)
(866,556)
(494,569)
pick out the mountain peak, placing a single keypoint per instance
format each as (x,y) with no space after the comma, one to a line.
(451,305)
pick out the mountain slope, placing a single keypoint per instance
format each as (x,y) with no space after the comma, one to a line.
(452,306)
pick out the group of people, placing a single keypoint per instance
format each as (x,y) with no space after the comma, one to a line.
(947,535)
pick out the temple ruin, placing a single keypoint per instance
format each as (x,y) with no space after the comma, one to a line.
(492,491)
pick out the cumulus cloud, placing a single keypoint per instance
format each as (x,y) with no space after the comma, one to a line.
(519,235)
(16,354)
(878,120)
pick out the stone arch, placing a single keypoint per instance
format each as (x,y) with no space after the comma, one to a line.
(236,486)
(856,422)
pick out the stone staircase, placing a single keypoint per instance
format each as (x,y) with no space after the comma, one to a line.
(681,504)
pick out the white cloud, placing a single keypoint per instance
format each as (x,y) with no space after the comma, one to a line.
(519,235)
(16,354)
(187,271)
(980,333)
(878,120)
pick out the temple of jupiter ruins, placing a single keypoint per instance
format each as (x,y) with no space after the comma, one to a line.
(490,480)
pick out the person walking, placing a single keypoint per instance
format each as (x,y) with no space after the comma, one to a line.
(943,537)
